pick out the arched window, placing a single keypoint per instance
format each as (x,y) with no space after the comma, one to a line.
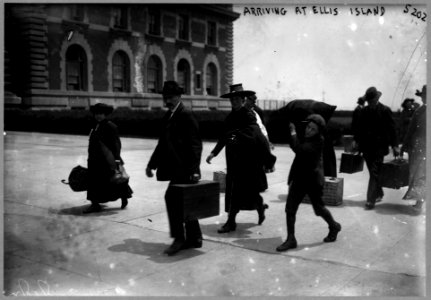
(183,71)
(120,72)
(154,74)
(76,69)
(211,79)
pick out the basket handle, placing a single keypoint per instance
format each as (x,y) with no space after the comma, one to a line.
(64,181)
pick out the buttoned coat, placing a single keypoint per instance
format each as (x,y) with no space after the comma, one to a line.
(177,155)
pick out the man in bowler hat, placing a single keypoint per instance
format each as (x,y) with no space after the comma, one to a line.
(376,133)
(177,159)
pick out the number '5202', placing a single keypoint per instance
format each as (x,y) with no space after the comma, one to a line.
(415,12)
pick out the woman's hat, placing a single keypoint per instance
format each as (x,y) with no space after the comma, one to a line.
(423,92)
(361,100)
(403,105)
(172,88)
(372,93)
(237,90)
(101,108)
(318,120)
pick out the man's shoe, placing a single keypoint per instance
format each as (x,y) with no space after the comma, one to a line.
(176,246)
(262,213)
(418,205)
(369,205)
(228,227)
(92,209)
(193,244)
(333,232)
(124,203)
(288,244)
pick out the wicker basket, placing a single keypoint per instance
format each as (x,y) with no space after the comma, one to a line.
(220,177)
(332,192)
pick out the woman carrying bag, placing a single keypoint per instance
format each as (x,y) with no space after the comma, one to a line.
(105,163)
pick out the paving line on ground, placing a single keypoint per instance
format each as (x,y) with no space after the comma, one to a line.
(308,259)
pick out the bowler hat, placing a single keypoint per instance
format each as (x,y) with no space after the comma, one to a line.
(316,119)
(237,90)
(372,93)
(101,108)
(423,92)
(172,88)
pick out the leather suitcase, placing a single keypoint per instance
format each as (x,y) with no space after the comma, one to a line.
(332,192)
(201,200)
(351,163)
(220,177)
(394,174)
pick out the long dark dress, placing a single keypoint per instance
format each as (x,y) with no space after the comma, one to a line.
(102,165)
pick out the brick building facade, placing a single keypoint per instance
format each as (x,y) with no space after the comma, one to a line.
(60,56)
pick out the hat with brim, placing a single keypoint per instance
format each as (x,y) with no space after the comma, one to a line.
(171,88)
(316,119)
(372,93)
(407,100)
(236,90)
(423,92)
(101,108)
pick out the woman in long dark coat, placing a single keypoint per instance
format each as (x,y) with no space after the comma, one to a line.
(247,155)
(104,158)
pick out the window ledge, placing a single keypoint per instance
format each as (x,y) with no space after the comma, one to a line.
(183,42)
(154,37)
(75,23)
(120,30)
(212,47)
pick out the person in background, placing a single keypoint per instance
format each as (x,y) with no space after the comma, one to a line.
(247,154)
(414,144)
(408,108)
(306,177)
(355,119)
(177,159)
(376,133)
(104,158)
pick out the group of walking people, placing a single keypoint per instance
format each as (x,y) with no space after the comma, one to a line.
(375,131)
(249,158)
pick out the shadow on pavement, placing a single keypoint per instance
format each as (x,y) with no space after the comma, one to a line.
(241,230)
(78,211)
(154,251)
(395,209)
(281,199)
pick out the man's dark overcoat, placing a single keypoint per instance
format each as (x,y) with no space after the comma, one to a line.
(102,165)
(377,130)
(178,152)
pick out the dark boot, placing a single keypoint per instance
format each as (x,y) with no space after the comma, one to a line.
(261,212)
(176,246)
(124,203)
(230,225)
(290,242)
(334,229)
(94,207)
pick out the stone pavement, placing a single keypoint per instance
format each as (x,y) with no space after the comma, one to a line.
(51,248)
